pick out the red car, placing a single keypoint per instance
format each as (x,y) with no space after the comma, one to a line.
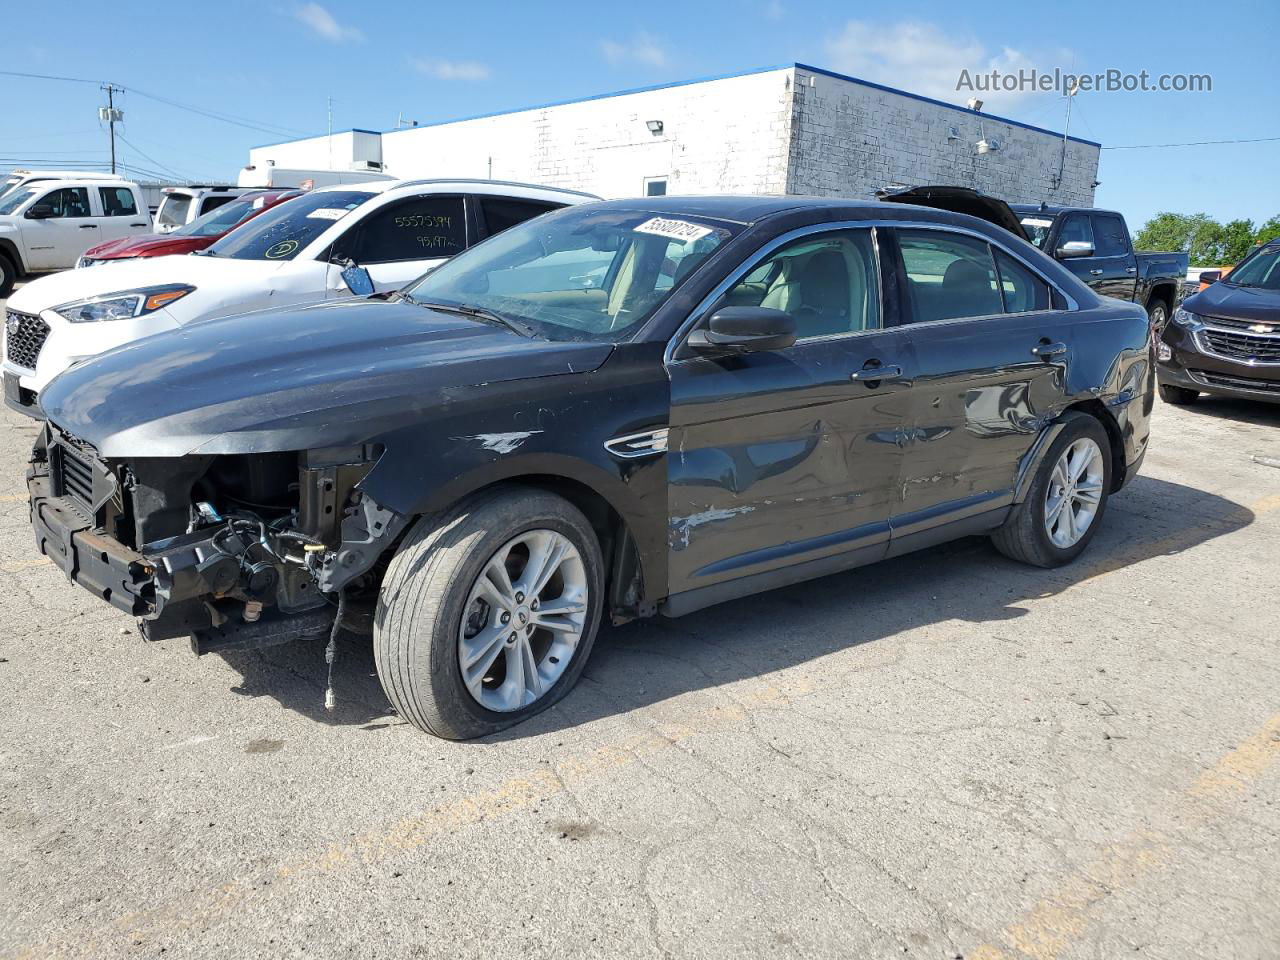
(196,235)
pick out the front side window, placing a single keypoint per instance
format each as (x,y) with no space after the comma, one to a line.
(828,284)
(580,273)
(173,210)
(422,228)
(1110,236)
(67,202)
(118,202)
(1076,229)
(279,233)
(949,276)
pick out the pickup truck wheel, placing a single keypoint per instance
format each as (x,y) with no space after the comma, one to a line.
(1067,499)
(488,612)
(8,276)
(1178,396)
(1158,313)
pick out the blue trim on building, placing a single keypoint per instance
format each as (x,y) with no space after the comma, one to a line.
(686,83)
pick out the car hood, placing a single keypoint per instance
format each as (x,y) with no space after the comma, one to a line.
(290,379)
(152,245)
(1236,303)
(208,272)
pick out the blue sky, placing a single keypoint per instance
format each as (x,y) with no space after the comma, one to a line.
(274,64)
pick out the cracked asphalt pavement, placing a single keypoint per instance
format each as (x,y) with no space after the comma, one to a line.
(946,755)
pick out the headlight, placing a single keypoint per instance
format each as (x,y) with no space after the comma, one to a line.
(123,305)
(1187,319)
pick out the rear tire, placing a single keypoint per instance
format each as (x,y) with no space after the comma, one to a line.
(1178,396)
(438,605)
(8,276)
(1037,531)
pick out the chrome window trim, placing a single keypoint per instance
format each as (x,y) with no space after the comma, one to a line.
(747,266)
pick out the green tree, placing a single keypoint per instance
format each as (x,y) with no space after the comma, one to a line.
(1237,241)
(1268,231)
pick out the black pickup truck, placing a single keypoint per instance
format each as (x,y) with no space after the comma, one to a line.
(1095,245)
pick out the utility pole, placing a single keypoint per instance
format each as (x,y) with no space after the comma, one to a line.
(331,133)
(1062,161)
(110,114)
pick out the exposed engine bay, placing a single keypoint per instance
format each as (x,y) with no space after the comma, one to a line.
(235,550)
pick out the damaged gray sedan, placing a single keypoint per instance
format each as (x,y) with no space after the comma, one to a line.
(615,410)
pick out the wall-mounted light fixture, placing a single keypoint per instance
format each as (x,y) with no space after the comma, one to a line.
(655,126)
(974,104)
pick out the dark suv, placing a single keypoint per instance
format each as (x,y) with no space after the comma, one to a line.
(1225,340)
(615,410)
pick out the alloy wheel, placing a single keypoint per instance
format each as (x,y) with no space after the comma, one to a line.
(523,620)
(1074,493)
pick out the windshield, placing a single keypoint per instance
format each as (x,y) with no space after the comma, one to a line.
(217,221)
(1260,270)
(584,273)
(1037,229)
(12,202)
(286,228)
(9,183)
(173,210)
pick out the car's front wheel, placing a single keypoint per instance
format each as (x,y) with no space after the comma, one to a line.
(8,276)
(1067,498)
(488,612)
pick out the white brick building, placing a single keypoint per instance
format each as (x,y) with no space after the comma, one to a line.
(789,129)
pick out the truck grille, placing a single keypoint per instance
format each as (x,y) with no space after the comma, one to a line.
(24,336)
(1241,345)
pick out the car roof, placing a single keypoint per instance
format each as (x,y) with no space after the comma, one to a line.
(461,185)
(750,209)
(1053,211)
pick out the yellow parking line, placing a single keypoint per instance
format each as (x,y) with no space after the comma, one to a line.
(12,497)
(1057,921)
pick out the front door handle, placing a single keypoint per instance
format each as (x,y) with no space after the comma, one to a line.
(137,224)
(1130,269)
(1047,351)
(88,226)
(1096,273)
(873,371)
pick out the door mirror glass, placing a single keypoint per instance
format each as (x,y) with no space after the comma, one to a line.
(744,330)
(1075,248)
(358,280)
(41,211)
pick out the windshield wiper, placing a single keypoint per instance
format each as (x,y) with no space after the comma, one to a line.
(475,313)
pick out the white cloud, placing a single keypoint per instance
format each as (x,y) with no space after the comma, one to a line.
(452,69)
(921,58)
(643,48)
(322,23)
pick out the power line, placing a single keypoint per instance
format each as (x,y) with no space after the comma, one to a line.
(146,156)
(46,76)
(1190,143)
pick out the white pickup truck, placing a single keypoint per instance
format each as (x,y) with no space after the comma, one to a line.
(46,224)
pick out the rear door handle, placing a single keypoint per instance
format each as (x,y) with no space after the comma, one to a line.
(1096,273)
(88,226)
(1047,351)
(137,224)
(873,371)
(1130,269)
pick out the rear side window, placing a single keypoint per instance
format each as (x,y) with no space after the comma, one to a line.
(499,213)
(1110,236)
(949,276)
(1022,290)
(67,202)
(421,228)
(118,202)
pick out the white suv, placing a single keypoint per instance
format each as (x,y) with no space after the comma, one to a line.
(46,224)
(181,205)
(293,253)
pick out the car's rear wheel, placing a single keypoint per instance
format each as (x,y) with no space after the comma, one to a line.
(1067,498)
(8,276)
(1178,396)
(488,612)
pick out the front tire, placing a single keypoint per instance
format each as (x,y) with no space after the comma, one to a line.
(1158,313)
(1178,396)
(488,612)
(1067,500)
(8,276)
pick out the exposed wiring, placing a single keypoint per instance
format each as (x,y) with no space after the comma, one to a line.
(1189,143)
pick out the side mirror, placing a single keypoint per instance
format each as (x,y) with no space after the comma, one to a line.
(744,330)
(1211,276)
(41,211)
(1074,248)
(357,280)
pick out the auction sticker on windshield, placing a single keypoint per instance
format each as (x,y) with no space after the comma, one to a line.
(327,213)
(680,230)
